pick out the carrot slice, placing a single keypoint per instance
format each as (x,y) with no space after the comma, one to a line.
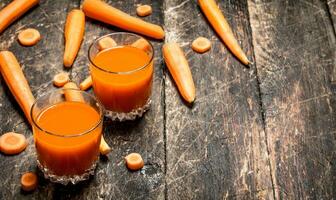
(144,10)
(141,44)
(29,181)
(101,11)
(12,143)
(201,45)
(86,84)
(106,43)
(61,79)
(73,34)
(179,69)
(222,27)
(104,148)
(13,11)
(134,161)
(16,81)
(29,37)
(71,93)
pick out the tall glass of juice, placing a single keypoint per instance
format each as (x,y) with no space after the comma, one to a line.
(121,66)
(67,133)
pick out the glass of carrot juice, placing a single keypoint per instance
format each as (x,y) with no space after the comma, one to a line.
(67,133)
(121,66)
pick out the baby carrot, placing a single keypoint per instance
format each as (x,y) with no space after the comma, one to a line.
(221,26)
(105,43)
(86,84)
(134,161)
(141,44)
(101,11)
(29,181)
(73,34)
(13,11)
(61,79)
(179,69)
(104,148)
(16,81)
(12,143)
(29,37)
(71,92)
(201,45)
(144,10)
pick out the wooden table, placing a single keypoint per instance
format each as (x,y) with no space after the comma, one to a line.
(265,132)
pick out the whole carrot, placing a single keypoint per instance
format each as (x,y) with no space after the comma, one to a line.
(179,69)
(221,26)
(16,81)
(73,34)
(13,11)
(101,11)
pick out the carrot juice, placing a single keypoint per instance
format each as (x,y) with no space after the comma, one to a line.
(67,137)
(122,76)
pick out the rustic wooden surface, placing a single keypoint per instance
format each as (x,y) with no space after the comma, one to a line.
(264,132)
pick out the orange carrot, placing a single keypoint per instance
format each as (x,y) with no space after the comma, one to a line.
(86,83)
(141,44)
(101,11)
(201,45)
(221,26)
(61,79)
(73,34)
(16,81)
(29,37)
(179,69)
(71,92)
(105,43)
(134,161)
(144,10)
(13,11)
(29,181)
(12,143)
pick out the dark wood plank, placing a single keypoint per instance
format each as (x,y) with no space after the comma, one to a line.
(295,54)
(216,149)
(40,63)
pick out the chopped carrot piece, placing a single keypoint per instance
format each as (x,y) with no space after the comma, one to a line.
(71,93)
(29,37)
(134,161)
(61,79)
(201,45)
(29,181)
(141,44)
(86,84)
(106,43)
(144,10)
(104,148)
(12,143)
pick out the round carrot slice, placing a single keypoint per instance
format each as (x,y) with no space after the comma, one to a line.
(29,181)
(12,143)
(144,10)
(29,37)
(201,45)
(134,161)
(61,79)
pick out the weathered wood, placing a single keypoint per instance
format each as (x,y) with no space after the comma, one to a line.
(294,45)
(216,148)
(332,12)
(41,63)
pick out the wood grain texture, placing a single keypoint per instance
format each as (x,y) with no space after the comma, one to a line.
(295,55)
(216,148)
(332,13)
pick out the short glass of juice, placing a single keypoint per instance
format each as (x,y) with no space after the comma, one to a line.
(67,133)
(121,67)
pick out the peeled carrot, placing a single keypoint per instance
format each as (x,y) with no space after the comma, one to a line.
(29,37)
(13,11)
(16,81)
(71,92)
(179,69)
(101,11)
(86,84)
(105,43)
(221,26)
(141,44)
(12,143)
(134,161)
(104,148)
(73,34)
(61,79)
(29,181)
(201,45)
(144,10)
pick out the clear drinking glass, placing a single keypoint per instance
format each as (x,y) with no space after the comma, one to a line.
(62,156)
(125,94)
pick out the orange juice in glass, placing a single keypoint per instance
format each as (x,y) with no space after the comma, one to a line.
(67,135)
(122,74)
